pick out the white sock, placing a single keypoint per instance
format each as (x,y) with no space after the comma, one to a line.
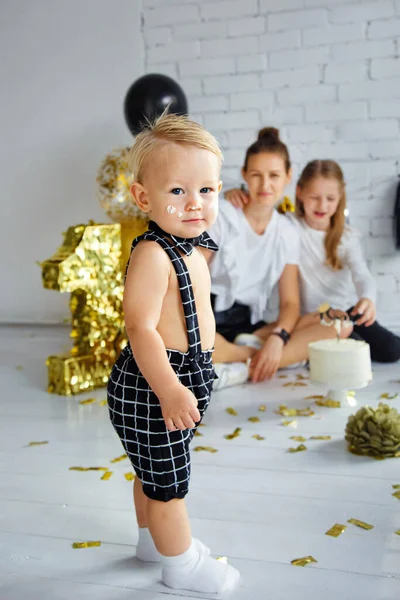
(147,551)
(198,572)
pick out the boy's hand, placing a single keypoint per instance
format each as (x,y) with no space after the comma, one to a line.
(237,197)
(367,311)
(266,362)
(179,409)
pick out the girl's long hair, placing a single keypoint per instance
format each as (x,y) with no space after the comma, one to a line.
(328,169)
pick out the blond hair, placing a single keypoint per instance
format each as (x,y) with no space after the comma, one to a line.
(328,169)
(178,129)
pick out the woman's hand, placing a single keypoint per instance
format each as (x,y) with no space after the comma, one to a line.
(266,362)
(367,311)
(237,197)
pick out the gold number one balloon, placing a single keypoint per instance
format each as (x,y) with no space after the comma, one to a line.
(88,266)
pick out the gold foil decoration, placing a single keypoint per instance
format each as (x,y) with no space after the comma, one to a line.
(222,559)
(396,486)
(282,376)
(302,562)
(295,384)
(235,434)
(336,530)
(205,449)
(119,458)
(258,437)
(397,494)
(88,401)
(286,206)
(328,403)
(262,408)
(114,179)
(300,448)
(315,397)
(87,265)
(254,419)
(388,396)
(298,438)
(107,475)
(19,368)
(231,411)
(301,377)
(37,443)
(129,476)
(360,524)
(320,437)
(103,403)
(198,434)
(289,423)
(397,532)
(86,544)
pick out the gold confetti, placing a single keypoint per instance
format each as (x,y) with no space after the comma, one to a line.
(301,377)
(396,486)
(37,443)
(119,458)
(360,524)
(258,437)
(397,494)
(294,412)
(103,402)
(298,438)
(388,396)
(88,469)
(295,384)
(254,419)
(300,448)
(397,532)
(289,423)
(235,434)
(205,449)
(231,411)
(198,434)
(328,403)
(302,562)
(201,425)
(88,401)
(107,475)
(336,530)
(129,476)
(262,408)
(223,559)
(315,397)
(283,376)
(19,368)
(86,544)
(320,437)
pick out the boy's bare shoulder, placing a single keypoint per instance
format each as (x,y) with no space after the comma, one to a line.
(149,251)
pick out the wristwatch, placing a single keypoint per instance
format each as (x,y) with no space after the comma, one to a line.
(282,333)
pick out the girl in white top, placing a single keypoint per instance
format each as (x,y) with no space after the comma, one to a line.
(258,249)
(332,265)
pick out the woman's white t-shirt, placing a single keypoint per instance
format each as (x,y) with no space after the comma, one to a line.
(248,266)
(319,283)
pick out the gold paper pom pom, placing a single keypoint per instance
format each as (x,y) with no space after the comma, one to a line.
(374,432)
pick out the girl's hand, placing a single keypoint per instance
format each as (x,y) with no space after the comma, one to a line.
(367,311)
(237,197)
(266,362)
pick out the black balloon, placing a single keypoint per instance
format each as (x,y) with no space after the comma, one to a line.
(149,96)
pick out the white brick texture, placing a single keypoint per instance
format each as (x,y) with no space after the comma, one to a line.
(325,72)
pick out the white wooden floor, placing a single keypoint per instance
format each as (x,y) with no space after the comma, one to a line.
(252,501)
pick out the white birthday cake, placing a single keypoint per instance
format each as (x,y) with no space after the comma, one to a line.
(340,364)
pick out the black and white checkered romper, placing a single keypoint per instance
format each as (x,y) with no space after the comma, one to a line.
(160,457)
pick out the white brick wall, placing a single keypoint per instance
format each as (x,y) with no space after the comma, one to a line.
(327,72)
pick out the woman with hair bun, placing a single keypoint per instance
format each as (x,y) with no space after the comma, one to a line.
(258,250)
